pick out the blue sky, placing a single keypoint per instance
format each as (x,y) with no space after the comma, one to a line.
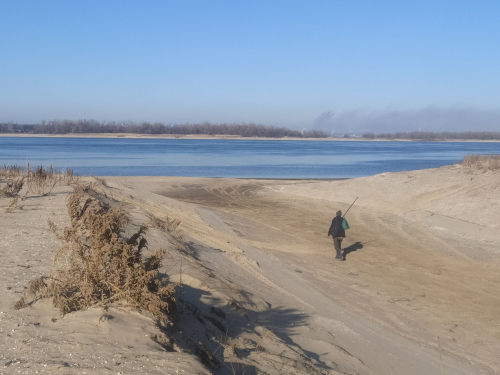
(330,64)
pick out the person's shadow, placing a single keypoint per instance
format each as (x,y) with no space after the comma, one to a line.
(349,249)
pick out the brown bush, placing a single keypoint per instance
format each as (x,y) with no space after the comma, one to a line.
(12,187)
(481,162)
(168,225)
(14,203)
(67,177)
(40,182)
(10,172)
(21,304)
(96,265)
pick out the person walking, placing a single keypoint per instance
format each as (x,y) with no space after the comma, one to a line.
(337,231)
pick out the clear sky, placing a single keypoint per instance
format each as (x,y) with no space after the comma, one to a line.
(328,64)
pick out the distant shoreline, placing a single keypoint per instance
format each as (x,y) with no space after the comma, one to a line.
(232,137)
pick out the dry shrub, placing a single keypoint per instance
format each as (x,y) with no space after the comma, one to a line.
(54,229)
(97,266)
(102,181)
(168,225)
(13,179)
(68,177)
(481,162)
(21,304)
(41,181)
(12,187)
(39,287)
(10,172)
(13,205)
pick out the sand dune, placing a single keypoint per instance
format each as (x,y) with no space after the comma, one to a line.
(261,291)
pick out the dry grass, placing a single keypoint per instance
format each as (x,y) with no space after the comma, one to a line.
(42,181)
(102,181)
(39,182)
(481,162)
(97,266)
(14,203)
(12,187)
(168,225)
(21,304)
(10,172)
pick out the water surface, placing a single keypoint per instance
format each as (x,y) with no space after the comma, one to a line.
(234,158)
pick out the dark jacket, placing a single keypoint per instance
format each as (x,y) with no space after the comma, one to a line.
(336,229)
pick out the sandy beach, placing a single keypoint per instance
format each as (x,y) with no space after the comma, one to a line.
(260,291)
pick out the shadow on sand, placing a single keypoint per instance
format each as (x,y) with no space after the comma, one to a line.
(226,335)
(209,331)
(354,247)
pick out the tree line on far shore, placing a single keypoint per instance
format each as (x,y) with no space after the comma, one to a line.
(206,128)
(436,136)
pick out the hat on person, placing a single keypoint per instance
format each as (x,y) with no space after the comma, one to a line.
(339,213)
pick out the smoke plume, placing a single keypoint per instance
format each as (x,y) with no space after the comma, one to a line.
(430,119)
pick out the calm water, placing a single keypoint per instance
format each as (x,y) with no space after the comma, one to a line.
(234,158)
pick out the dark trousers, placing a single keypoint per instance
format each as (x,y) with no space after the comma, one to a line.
(337,242)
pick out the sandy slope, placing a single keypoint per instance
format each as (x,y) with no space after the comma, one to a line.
(423,253)
(37,339)
(418,293)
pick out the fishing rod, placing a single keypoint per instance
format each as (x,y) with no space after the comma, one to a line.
(350,206)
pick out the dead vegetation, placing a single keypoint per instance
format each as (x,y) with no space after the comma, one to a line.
(168,225)
(21,304)
(14,203)
(12,187)
(41,181)
(10,172)
(481,162)
(96,265)
(99,266)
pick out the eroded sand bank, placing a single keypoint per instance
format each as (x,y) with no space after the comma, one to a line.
(262,292)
